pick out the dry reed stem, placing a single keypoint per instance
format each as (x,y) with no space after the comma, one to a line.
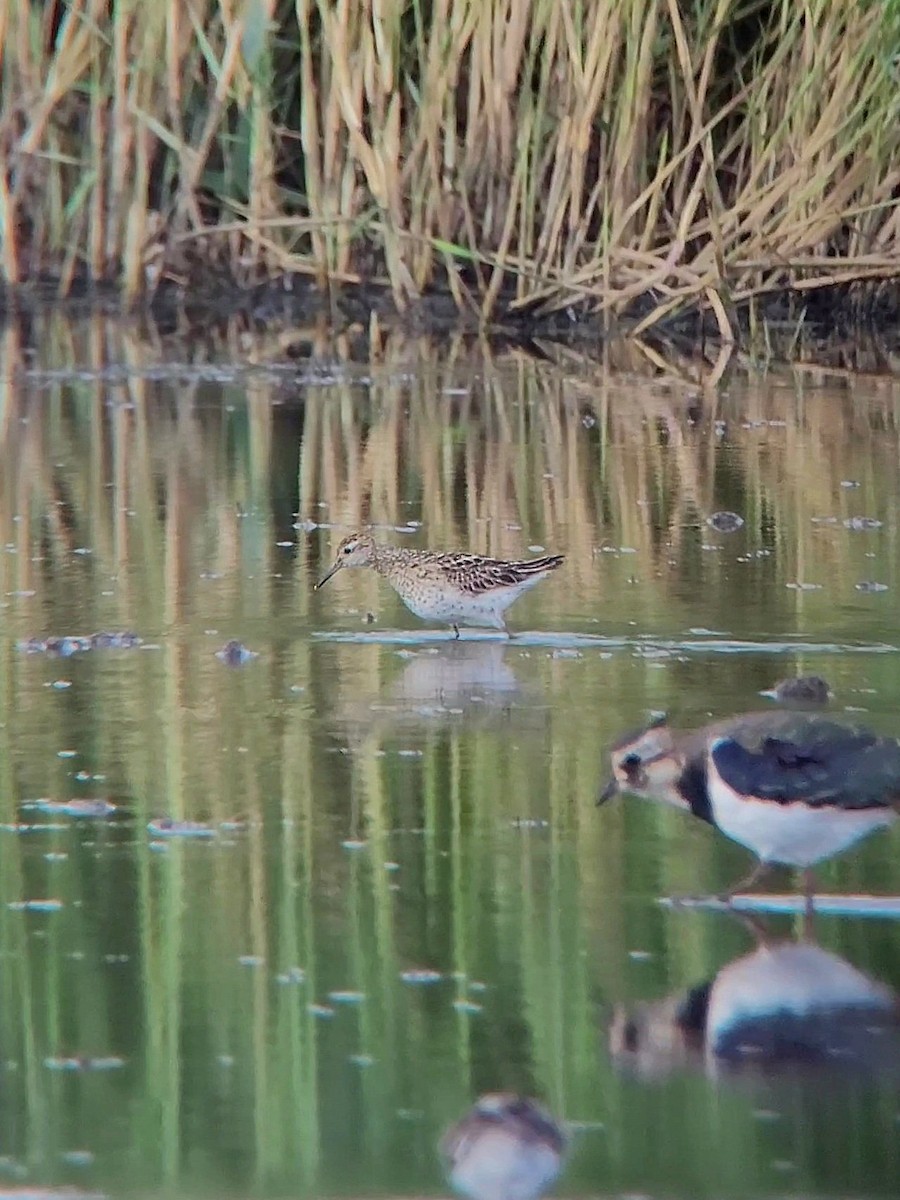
(593,154)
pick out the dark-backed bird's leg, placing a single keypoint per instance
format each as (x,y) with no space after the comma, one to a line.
(809,895)
(455,629)
(759,872)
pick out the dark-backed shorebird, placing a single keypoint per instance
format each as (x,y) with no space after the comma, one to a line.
(795,788)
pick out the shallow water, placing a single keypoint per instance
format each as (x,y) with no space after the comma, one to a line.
(407,896)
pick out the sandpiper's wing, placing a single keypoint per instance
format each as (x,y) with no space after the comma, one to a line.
(473,574)
(819,762)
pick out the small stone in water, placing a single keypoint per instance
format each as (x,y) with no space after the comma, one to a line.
(77,1158)
(235,654)
(73,808)
(346,997)
(467,1006)
(725,522)
(35,905)
(421,975)
(350,844)
(862,523)
(320,1010)
(251,960)
(361,1060)
(169,828)
(869,585)
(291,975)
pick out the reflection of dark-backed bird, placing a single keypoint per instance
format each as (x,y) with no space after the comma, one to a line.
(808,691)
(785,1007)
(793,787)
(506,1147)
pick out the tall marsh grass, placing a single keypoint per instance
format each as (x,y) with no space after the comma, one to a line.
(524,154)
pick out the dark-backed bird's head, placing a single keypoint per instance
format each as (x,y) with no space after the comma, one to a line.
(647,762)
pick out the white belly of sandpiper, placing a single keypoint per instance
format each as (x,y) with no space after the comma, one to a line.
(484,609)
(794,834)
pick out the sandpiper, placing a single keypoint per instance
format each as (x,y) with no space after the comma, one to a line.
(507,1147)
(793,787)
(458,589)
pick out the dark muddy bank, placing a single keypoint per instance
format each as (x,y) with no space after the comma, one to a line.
(859,324)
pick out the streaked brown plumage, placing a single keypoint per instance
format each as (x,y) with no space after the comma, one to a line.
(455,588)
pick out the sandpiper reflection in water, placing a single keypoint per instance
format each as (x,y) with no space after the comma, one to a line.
(507,1147)
(457,683)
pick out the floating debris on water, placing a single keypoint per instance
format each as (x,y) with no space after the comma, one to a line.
(858,524)
(804,587)
(421,975)
(250,960)
(346,997)
(82,1062)
(320,1010)
(35,905)
(54,856)
(15,1170)
(467,1006)
(78,1158)
(32,827)
(869,585)
(235,654)
(124,640)
(352,844)
(529,823)
(291,975)
(361,1060)
(641,955)
(71,808)
(725,522)
(167,827)
(66,646)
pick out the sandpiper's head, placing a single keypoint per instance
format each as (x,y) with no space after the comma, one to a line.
(808,691)
(646,762)
(356,550)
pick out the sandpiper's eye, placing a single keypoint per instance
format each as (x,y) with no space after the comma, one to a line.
(631,760)
(348,549)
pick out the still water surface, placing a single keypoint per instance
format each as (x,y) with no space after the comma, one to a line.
(410,898)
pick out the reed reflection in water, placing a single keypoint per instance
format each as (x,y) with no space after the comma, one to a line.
(409,900)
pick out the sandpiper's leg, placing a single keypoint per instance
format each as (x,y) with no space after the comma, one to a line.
(506,628)
(759,871)
(456,632)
